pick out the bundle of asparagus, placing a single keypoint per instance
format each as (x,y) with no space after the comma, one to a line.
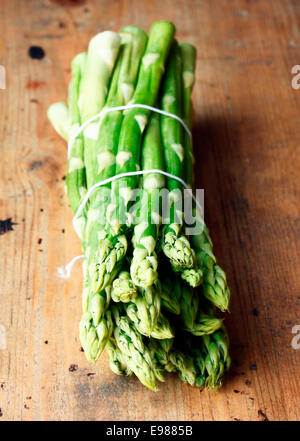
(150,291)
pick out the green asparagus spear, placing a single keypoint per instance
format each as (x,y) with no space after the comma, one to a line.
(117,361)
(66,120)
(184,365)
(136,355)
(101,56)
(170,295)
(123,289)
(94,337)
(104,149)
(175,245)
(214,279)
(144,263)
(76,181)
(163,328)
(217,359)
(194,320)
(58,114)
(104,257)
(159,350)
(215,285)
(188,57)
(144,309)
(128,156)
(195,317)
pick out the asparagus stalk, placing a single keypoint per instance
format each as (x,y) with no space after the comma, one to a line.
(184,365)
(201,364)
(101,56)
(214,279)
(94,336)
(159,350)
(58,114)
(215,285)
(174,244)
(121,89)
(117,361)
(135,353)
(104,149)
(194,320)
(183,300)
(144,309)
(66,120)
(163,328)
(123,289)
(170,295)
(217,359)
(144,263)
(75,180)
(188,57)
(128,156)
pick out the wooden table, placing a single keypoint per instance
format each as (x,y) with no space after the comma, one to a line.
(247,137)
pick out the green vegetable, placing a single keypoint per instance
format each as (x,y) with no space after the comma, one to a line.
(188,59)
(113,247)
(103,148)
(140,300)
(215,285)
(195,320)
(162,329)
(123,289)
(175,245)
(75,180)
(136,355)
(144,309)
(94,336)
(217,360)
(104,255)
(117,361)
(144,263)
(214,279)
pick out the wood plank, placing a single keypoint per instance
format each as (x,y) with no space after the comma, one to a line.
(247,140)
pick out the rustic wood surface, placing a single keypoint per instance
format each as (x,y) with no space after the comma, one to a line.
(247,137)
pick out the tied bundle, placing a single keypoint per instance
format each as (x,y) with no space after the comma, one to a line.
(150,291)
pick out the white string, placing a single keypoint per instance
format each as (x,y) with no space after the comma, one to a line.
(64,272)
(128,106)
(134,173)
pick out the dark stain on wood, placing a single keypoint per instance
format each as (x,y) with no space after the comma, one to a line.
(35,165)
(262,415)
(69,2)
(36,52)
(73,368)
(6,225)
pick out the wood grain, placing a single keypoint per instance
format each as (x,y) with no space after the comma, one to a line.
(247,138)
